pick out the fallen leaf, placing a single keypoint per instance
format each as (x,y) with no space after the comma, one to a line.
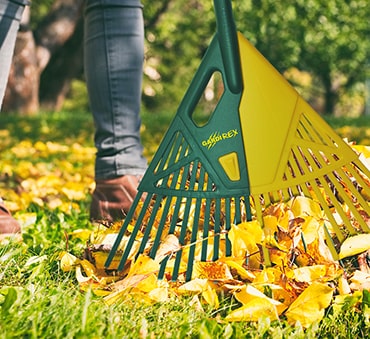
(203,287)
(247,293)
(68,261)
(303,207)
(211,270)
(360,281)
(310,306)
(254,310)
(244,239)
(315,273)
(354,245)
(143,265)
(170,245)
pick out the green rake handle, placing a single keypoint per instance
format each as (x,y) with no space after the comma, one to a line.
(226,31)
(227,41)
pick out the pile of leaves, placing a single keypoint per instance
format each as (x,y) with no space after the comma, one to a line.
(302,283)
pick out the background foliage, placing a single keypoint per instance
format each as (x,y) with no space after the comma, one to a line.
(321,47)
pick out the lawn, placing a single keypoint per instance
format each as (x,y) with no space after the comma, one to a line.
(46,177)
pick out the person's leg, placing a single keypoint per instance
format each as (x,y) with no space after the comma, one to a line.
(114,55)
(10,16)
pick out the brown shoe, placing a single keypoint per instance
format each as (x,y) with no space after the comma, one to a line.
(9,227)
(112,198)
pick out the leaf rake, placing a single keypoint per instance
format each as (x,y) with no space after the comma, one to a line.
(262,144)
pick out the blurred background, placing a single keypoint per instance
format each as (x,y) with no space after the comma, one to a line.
(321,47)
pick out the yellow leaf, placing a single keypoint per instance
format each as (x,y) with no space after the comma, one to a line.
(82,234)
(80,277)
(254,310)
(360,281)
(203,287)
(365,150)
(210,296)
(100,259)
(244,239)
(270,225)
(130,282)
(194,286)
(310,306)
(310,229)
(303,207)
(309,273)
(74,190)
(88,268)
(68,261)
(211,270)
(195,302)
(354,245)
(343,286)
(148,284)
(247,293)
(240,270)
(143,265)
(159,294)
(107,237)
(281,294)
(319,251)
(27,219)
(170,245)
(269,275)
(114,298)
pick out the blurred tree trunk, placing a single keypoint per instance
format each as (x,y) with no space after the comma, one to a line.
(65,65)
(50,49)
(21,94)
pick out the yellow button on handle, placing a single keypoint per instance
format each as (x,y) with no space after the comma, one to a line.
(230,164)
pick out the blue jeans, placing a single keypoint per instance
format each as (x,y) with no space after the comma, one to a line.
(10,16)
(113,59)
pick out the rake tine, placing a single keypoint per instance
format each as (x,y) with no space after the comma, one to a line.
(163,264)
(193,239)
(127,221)
(217,230)
(136,229)
(228,224)
(160,228)
(171,231)
(313,133)
(164,216)
(355,191)
(150,223)
(349,203)
(330,243)
(336,203)
(195,227)
(327,211)
(207,217)
(162,268)
(122,231)
(174,218)
(183,226)
(169,151)
(238,213)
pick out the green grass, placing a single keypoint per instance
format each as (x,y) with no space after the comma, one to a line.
(38,300)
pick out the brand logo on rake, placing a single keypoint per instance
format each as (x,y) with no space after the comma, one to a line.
(215,137)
